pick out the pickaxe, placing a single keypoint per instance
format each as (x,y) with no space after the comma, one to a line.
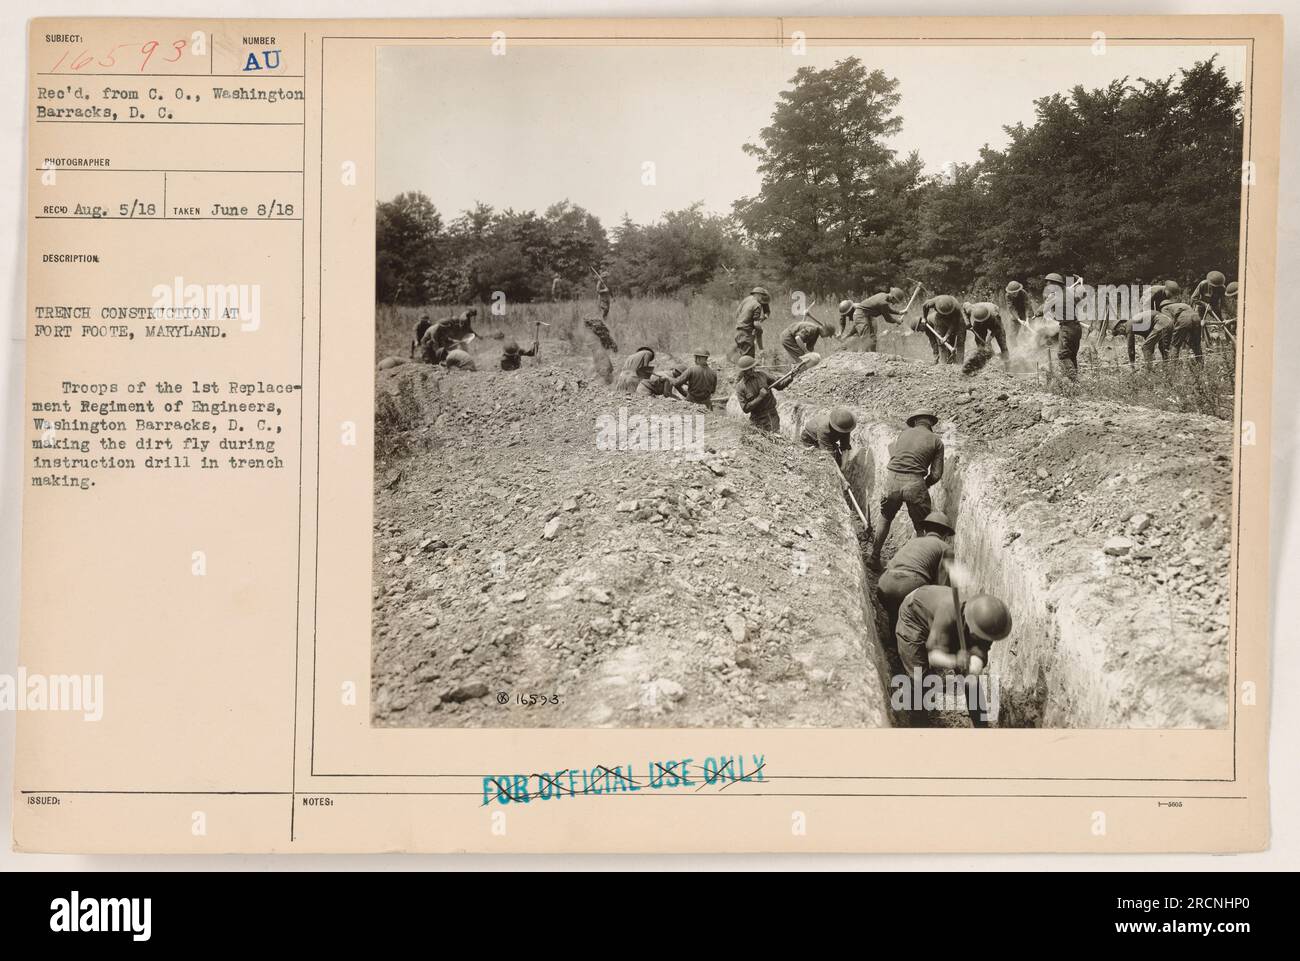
(943,340)
(961,641)
(1219,320)
(913,297)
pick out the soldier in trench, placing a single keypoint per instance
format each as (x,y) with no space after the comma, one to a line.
(915,465)
(699,381)
(638,367)
(927,635)
(510,355)
(830,431)
(754,388)
(922,560)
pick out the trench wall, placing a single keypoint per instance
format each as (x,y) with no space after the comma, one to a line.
(1086,651)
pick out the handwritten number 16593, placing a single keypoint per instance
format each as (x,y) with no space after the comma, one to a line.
(143,52)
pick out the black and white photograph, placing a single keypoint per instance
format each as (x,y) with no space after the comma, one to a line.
(806,387)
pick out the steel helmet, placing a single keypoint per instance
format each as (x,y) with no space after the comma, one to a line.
(842,419)
(700,352)
(980,312)
(939,519)
(1214,278)
(760,292)
(1171,287)
(921,412)
(745,363)
(945,304)
(1054,278)
(988,616)
(510,347)
(846,306)
(1232,289)
(895,293)
(1014,287)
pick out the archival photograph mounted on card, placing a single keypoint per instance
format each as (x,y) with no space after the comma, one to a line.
(850,386)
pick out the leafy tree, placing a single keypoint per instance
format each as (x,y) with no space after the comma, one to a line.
(408,234)
(835,205)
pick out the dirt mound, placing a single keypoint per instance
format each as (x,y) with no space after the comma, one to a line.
(524,547)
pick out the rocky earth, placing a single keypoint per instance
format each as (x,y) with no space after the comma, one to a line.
(519,555)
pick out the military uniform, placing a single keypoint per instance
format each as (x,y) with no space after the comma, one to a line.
(1186,330)
(438,339)
(749,325)
(919,562)
(761,409)
(698,382)
(951,327)
(927,621)
(510,359)
(861,321)
(806,330)
(819,433)
(990,328)
(1018,304)
(915,456)
(656,385)
(1205,297)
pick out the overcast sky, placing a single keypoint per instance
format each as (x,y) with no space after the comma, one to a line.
(543,124)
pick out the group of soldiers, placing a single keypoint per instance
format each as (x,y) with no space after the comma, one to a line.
(933,628)
(1166,321)
(444,343)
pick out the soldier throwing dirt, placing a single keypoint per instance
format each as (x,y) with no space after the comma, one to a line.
(600,325)
(986,324)
(638,367)
(754,393)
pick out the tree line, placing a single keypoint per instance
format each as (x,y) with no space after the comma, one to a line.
(1134,182)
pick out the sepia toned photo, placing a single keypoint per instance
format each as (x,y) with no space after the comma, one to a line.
(847,387)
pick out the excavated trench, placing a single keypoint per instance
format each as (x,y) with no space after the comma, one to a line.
(1086,650)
